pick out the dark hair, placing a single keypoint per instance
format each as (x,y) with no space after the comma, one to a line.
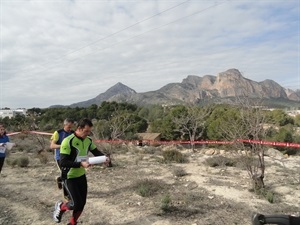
(84,122)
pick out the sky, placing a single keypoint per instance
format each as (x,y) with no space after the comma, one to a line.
(68,51)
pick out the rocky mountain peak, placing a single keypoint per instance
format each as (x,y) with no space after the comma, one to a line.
(231,75)
(194,89)
(119,88)
(113,92)
(232,83)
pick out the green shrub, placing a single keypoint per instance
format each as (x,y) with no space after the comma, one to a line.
(174,156)
(23,161)
(220,161)
(48,126)
(265,193)
(11,162)
(179,172)
(147,187)
(166,203)
(43,157)
(22,136)
(270,196)
(153,150)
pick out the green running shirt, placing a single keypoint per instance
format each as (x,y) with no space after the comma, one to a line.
(76,150)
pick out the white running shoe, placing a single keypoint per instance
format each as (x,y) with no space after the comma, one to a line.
(57,213)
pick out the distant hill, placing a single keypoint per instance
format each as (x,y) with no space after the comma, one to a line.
(193,89)
(119,91)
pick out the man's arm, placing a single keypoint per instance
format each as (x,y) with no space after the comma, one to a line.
(65,161)
(53,145)
(54,139)
(97,152)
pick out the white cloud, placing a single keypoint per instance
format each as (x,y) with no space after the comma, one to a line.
(62,52)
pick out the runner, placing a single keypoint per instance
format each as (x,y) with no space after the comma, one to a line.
(56,140)
(73,161)
(3,140)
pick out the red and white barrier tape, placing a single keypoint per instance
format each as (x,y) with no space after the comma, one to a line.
(273,143)
(29,132)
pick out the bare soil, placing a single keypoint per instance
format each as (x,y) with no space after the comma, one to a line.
(204,195)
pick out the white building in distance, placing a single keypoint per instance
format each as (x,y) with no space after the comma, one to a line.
(12,112)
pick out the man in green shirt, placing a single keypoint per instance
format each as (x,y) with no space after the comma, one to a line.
(73,162)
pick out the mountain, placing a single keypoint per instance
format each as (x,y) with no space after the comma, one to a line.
(195,89)
(119,91)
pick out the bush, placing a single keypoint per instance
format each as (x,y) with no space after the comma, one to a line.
(265,193)
(268,195)
(179,172)
(113,148)
(11,162)
(22,136)
(48,126)
(153,150)
(291,151)
(147,187)
(43,157)
(23,161)
(174,156)
(220,161)
(166,203)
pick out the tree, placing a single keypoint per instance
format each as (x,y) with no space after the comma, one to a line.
(92,111)
(297,120)
(34,111)
(285,134)
(19,122)
(190,121)
(165,126)
(156,112)
(271,133)
(119,123)
(139,125)
(215,120)
(247,124)
(101,129)
(106,109)
(279,117)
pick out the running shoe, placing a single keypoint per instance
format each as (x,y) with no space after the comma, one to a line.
(57,213)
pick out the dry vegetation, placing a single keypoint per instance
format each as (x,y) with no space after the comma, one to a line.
(147,186)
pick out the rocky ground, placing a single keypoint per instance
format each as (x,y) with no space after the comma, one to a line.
(191,193)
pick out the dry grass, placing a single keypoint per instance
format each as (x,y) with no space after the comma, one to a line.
(140,189)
